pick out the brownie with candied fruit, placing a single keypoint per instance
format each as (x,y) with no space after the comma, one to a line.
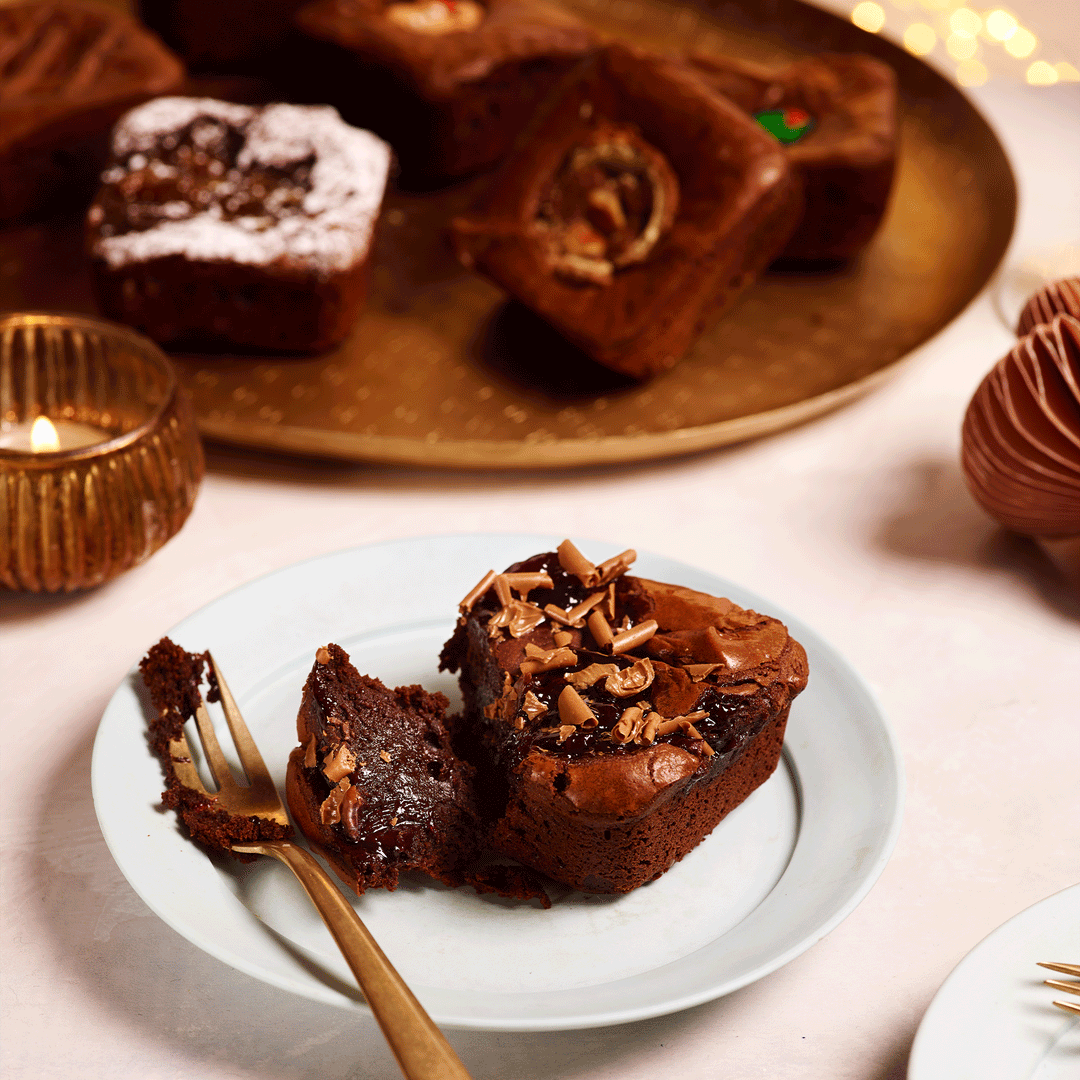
(449,83)
(835,117)
(222,226)
(640,204)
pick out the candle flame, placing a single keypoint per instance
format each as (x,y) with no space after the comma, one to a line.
(43,435)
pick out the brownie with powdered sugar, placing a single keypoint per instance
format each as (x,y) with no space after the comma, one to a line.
(220,225)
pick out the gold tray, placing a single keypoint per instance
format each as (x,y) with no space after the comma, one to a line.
(442,370)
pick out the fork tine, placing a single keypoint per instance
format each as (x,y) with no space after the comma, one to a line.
(1065,969)
(1068,1006)
(1058,984)
(184,765)
(219,767)
(255,768)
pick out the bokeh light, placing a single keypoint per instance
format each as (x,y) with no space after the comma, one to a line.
(1000,25)
(971,73)
(1021,44)
(1042,74)
(1066,72)
(964,22)
(961,48)
(919,39)
(869,16)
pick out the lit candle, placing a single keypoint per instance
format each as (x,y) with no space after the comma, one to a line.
(43,435)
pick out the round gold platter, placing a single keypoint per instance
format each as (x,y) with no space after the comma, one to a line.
(443,370)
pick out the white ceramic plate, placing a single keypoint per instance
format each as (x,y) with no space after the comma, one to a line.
(993,1019)
(777,875)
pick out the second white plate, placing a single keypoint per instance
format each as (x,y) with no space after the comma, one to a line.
(776,876)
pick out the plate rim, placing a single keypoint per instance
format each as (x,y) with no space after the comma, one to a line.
(892,767)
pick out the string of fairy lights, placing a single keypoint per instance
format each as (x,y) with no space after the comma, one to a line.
(976,42)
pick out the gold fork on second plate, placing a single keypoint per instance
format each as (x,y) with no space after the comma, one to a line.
(420,1048)
(1068,987)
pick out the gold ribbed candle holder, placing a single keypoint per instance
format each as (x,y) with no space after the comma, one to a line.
(73,518)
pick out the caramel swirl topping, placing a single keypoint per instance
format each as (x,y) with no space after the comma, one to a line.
(608,206)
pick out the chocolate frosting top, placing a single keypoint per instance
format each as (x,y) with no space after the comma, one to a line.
(1021,434)
(682,703)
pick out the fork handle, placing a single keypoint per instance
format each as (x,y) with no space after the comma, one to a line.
(421,1050)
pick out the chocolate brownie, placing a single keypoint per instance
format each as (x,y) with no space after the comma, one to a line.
(464,76)
(221,225)
(250,36)
(640,204)
(173,678)
(835,116)
(68,70)
(376,788)
(614,721)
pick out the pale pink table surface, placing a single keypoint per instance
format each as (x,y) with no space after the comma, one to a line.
(858,522)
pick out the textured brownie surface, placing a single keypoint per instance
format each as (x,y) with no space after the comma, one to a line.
(640,204)
(614,720)
(173,677)
(232,224)
(375,786)
(465,76)
(68,69)
(847,158)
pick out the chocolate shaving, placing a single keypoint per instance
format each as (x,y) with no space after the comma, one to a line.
(572,707)
(616,566)
(540,660)
(474,593)
(523,584)
(532,706)
(629,639)
(586,677)
(338,764)
(519,617)
(573,562)
(629,681)
(601,632)
(330,811)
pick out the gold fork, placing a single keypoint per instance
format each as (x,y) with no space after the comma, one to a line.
(420,1048)
(1068,987)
